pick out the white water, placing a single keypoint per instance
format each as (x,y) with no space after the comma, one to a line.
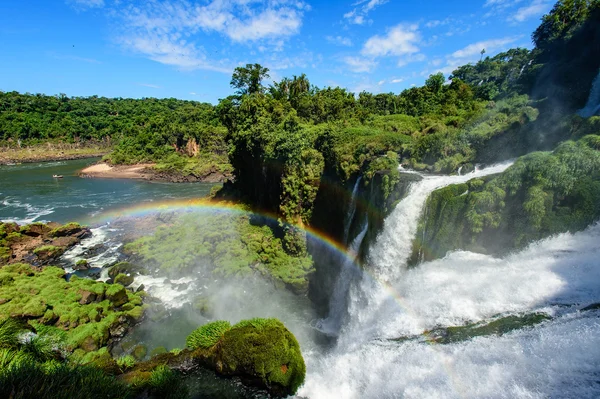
(558,358)
(338,302)
(393,245)
(592,107)
(352,208)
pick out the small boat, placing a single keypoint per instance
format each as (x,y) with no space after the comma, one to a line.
(57,176)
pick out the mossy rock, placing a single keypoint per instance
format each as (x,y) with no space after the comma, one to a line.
(68,229)
(265,351)
(124,280)
(82,264)
(158,351)
(139,352)
(125,268)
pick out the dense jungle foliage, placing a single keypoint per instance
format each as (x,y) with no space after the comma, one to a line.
(282,140)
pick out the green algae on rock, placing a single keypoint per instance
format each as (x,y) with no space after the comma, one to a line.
(227,243)
(38,243)
(90,312)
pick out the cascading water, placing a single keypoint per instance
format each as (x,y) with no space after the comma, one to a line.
(352,210)
(377,355)
(393,246)
(592,107)
(337,302)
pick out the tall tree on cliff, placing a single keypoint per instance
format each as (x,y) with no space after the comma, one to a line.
(248,79)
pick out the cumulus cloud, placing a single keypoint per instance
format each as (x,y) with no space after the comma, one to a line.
(360,64)
(471,53)
(173,32)
(400,40)
(362,8)
(535,9)
(339,40)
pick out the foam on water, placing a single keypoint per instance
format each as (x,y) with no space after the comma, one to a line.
(167,291)
(557,358)
(30,213)
(103,235)
(393,246)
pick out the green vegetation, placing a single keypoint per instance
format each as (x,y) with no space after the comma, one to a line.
(86,310)
(226,243)
(256,348)
(208,335)
(543,193)
(500,326)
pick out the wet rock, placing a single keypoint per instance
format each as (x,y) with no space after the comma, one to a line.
(127,268)
(117,295)
(141,288)
(124,280)
(119,329)
(81,265)
(87,297)
(139,352)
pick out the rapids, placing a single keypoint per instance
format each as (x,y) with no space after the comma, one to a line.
(557,276)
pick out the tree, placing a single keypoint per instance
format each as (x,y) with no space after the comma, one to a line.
(248,79)
(435,82)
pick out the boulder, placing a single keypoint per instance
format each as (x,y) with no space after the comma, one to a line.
(87,297)
(117,295)
(81,265)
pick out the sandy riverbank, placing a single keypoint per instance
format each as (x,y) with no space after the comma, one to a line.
(106,171)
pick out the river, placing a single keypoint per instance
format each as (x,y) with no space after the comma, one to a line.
(29,193)
(384,346)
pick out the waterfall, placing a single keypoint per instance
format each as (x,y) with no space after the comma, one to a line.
(337,304)
(352,210)
(382,351)
(393,246)
(592,107)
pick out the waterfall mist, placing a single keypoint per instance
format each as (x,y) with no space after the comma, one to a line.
(382,350)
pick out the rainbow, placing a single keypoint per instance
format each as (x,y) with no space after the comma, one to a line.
(205,205)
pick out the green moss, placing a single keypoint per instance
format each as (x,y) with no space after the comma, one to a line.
(499,326)
(49,250)
(227,242)
(266,349)
(48,298)
(65,230)
(124,280)
(207,335)
(139,352)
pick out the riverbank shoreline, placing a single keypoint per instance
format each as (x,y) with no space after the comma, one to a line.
(105,171)
(145,171)
(45,154)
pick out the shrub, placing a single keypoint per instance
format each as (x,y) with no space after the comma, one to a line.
(207,335)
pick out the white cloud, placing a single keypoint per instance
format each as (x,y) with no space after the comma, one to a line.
(172,31)
(339,40)
(381,82)
(358,14)
(399,80)
(149,85)
(468,52)
(360,64)
(535,9)
(419,57)
(87,3)
(399,41)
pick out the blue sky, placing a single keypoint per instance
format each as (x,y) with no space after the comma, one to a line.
(188,48)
